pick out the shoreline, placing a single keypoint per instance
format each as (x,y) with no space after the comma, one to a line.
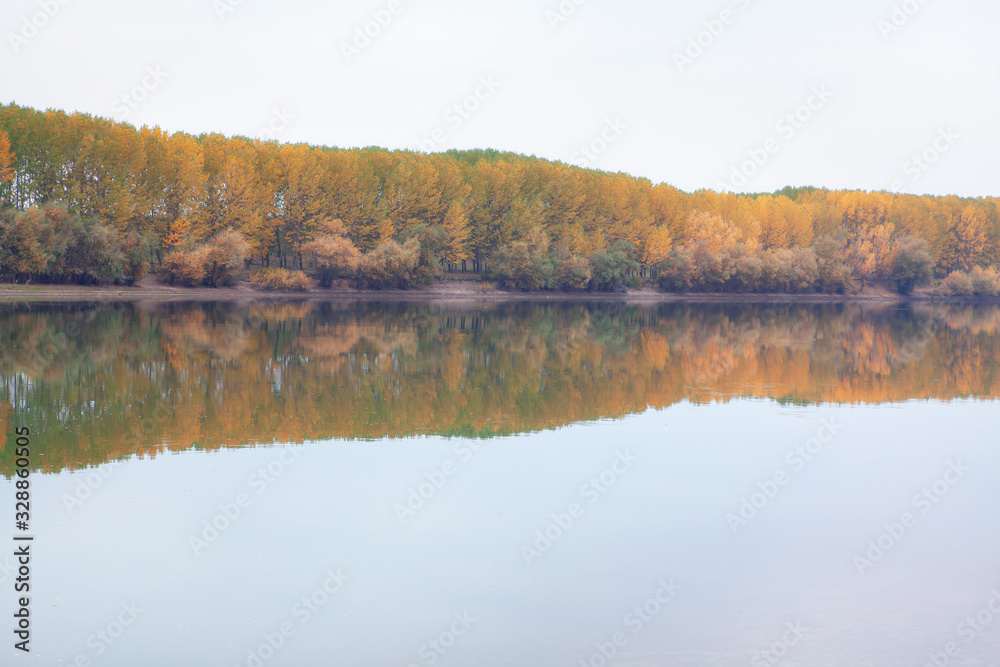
(453,290)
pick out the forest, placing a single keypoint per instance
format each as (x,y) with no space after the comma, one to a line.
(137,379)
(85,199)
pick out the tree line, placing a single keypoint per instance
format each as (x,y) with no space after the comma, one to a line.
(383,218)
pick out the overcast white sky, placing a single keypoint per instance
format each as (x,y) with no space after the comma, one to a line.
(238,66)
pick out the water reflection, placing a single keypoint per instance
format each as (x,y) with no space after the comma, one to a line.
(105,383)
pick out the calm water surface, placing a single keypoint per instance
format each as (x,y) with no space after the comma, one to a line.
(533,484)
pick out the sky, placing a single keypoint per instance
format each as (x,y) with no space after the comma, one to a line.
(740,95)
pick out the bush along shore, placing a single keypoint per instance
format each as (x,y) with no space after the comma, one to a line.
(51,246)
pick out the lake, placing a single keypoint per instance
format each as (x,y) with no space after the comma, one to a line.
(374,483)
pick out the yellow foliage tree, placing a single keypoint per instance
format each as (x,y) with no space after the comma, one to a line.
(6,158)
(870,253)
(657,246)
(967,240)
(178,233)
(456,229)
(715,233)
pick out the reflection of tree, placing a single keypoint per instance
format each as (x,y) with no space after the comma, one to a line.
(136,380)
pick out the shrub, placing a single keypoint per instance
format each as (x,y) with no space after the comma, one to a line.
(270,280)
(530,264)
(432,241)
(184,267)
(676,271)
(985,282)
(54,245)
(214,264)
(958,283)
(23,250)
(614,269)
(135,251)
(332,253)
(978,282)
(389,265)
(523,264)
(224,256)
(738,268)
(805,269)
(514,265)
(912,264)
(833,275)
(569,272)
(95,256)
(790,271)
(707,271)
(334,257)
(745,270)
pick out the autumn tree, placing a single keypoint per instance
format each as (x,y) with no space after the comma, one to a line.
(6,168)
(870,252)
(456,234)
(183,181)
(178,234)
(656,246)
(239,195)
(302,200)
(967,240)
(715,233)
(497,210)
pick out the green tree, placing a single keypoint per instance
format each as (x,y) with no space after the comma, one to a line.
(614,269)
